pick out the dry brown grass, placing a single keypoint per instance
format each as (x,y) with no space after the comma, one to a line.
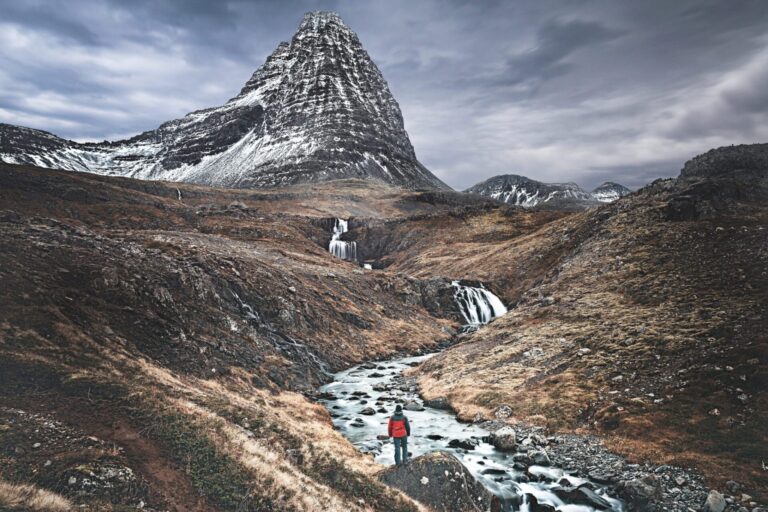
(29,497)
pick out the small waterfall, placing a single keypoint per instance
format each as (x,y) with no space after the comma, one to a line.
(477,305)
(339,248)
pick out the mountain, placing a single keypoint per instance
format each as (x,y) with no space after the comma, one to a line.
(521,191)
(609,192)
(317,110)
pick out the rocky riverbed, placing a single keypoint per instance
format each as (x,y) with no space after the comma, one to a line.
(527,467)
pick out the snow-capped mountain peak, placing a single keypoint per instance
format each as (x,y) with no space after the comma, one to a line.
(521,191)
(609,192)
(318,109)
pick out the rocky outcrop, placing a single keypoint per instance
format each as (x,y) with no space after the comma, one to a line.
(715,162)
(441,482)
(318,109)
(719,180)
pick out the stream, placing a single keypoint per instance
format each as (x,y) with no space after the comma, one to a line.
(379,387)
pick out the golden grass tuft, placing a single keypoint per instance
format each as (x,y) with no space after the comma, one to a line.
(29,497)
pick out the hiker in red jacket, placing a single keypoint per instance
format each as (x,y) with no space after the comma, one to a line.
(399,430)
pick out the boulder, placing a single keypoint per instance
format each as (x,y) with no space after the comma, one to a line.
(465,444)
(504,439)
(540,458)
(438,403)
(439,481)
(368,411)
(641,494)
(582,496)
(503,412)
(715,502)
(413,406)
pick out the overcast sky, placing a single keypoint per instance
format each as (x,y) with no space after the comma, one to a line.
(582,91)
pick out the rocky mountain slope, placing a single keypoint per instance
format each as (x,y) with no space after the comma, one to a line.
(317,110)
(647,323)
(155,340)
(522,191)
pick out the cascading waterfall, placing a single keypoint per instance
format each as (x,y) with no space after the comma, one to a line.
(340,248)
(477,305)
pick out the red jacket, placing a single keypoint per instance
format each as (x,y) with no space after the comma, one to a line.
(399,426)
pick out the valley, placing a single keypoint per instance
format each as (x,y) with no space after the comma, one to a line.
(220,314)
(180,320)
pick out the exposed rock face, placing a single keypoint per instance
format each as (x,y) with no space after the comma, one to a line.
(522,191)
(317,110)
(727,159)
(441,482)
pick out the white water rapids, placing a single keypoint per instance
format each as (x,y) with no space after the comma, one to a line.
(371,385)
(477,305)
(338,247)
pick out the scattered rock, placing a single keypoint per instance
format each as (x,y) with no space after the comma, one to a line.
(503,412)
(438,403)
(641,493)
(602,476)
(715,502)
(465,444)
(582,496)
(413,406)
(504,439)
(540,458)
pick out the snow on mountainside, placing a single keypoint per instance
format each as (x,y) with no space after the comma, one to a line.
(522,191)
(609,192)
(318,109)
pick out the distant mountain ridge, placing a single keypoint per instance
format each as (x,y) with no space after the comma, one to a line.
(317,110)
(522,191)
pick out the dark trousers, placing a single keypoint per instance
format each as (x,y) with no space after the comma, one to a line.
(401,443)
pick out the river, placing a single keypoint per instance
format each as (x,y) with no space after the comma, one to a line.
(379,386)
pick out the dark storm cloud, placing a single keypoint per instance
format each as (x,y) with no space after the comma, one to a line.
(555,42)
(581,91)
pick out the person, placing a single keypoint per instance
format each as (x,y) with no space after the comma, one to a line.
(399,430)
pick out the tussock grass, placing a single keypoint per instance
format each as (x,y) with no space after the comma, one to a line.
(29,497)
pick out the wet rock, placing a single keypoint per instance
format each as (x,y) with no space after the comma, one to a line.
(438,403)
(465,444)
(715,502)
(523,459)
(504,439)
(582,496)
(535,506)
(439,481)
(413,406)
(434,437)
(540,458)
(368,411)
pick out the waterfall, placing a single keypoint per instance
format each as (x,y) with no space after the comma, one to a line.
(477,305)
(340,248)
